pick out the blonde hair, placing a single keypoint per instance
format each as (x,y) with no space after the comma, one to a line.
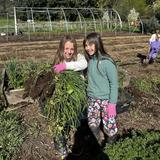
(59,57)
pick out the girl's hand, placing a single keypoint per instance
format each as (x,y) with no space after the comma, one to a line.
(111,110)
(59,67)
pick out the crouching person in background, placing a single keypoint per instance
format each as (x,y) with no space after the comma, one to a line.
(154,49)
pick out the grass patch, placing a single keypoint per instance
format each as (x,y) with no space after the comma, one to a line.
(146,84)
(11,134)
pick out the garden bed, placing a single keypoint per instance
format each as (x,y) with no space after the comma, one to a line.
(143,114)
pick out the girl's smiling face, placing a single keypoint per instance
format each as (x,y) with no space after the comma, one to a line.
(90,48)
(68,50)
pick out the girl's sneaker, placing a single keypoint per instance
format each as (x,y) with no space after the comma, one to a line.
(112,139)
(63,152)
(61,149)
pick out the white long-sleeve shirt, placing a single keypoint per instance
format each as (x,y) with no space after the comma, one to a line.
(78,65)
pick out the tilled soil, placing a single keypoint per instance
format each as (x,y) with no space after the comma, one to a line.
(143,112)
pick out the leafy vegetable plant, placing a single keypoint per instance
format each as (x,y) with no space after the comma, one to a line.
(67,104)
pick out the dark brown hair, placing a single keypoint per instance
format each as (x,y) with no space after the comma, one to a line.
(100,53)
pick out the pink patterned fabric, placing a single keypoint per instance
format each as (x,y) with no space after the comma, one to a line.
(97,111)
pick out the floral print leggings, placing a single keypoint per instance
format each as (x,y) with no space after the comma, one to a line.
(97,111)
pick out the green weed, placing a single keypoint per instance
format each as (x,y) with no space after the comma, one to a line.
(11,134)
(146,84)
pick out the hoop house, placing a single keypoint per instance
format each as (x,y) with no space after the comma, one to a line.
(59,20)
(6,24)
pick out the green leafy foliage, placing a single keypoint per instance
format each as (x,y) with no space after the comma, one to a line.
(139,145)
(68,102)
(150,25)
(15,72)
(147,84)
(143,85)
(11,134)
(19,72)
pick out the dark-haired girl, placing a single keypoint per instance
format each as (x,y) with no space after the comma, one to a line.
(102,88)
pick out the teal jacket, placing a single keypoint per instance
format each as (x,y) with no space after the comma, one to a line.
(102,82)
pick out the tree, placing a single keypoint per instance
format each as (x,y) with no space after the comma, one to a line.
(31,3)
(6,6)
(106,3)
(150,2)
(156,8)
(124,7)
